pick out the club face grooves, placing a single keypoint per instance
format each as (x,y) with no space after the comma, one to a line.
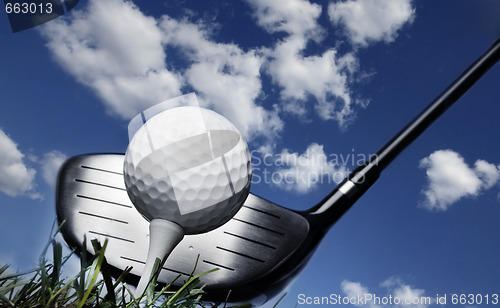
(250,240)
(103,217)
(92,199)
(102,200)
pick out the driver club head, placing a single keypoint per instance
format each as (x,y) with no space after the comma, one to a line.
(93,202)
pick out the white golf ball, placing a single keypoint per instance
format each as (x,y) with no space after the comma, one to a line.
(188,165)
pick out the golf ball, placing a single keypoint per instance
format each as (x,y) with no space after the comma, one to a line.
(188,165)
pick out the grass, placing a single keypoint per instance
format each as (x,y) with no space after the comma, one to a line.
(93,286)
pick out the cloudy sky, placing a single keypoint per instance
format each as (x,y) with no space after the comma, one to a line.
(314,86)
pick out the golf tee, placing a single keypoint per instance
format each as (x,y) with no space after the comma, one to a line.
(164,236)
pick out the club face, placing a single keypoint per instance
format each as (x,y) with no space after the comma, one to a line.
(93,202)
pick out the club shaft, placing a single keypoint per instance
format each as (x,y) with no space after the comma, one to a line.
(363,177)
(416,127)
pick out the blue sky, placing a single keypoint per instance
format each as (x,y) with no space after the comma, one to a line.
(311,85)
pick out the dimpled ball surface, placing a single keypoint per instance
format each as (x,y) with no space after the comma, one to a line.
(188,165)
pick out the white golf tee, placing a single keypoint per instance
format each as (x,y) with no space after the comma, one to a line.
(164,236)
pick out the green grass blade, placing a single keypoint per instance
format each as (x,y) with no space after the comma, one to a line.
(106,275)
(279,300)
(51,239)
(3,269)
(12,276)
(27,289)
(195,265)
(45,281)
(164,291)
(94,277)
(122,276)
(56,270)
(237,306)
(11,287)
(133,300)
(192,281)
(5,301)
(62,289)
(150,289)
(83,268)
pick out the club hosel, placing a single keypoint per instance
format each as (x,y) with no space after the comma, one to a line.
(365,174)
(331,208)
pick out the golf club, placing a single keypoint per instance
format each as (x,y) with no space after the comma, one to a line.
(258,251)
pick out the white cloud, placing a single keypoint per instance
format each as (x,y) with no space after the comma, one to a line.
(17,179)
(489,174)
(451,179)
(325,76)
(117,51)
(369,21)
(224,76)
(395,294)
(295,17)
(356,290)
(51,163)
(409,296)
(303,172)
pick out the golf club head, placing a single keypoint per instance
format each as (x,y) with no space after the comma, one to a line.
(93,202)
